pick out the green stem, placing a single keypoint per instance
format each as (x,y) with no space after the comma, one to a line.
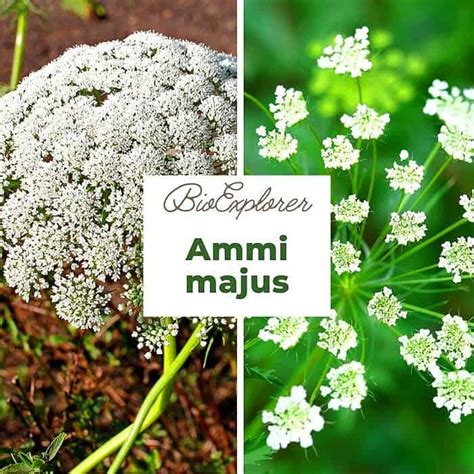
(371,183)
(18,52)
(260,106)
(431,156)
(325,370)
(315,133)
(418,309)
(359,90)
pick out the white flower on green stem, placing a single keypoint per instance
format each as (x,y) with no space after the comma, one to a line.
(457,257)
(284,331)
(468,204)
(406,177)
(385,307)
(455,340)
(338,337)
(346,386)
(420,350)
(406,227)
(348,55)
(351,210)
(338,152)
(345,257)
(276,144)
(292,421)
(457,142)
(153,335)
(289,107)
(366,123)
(455,392)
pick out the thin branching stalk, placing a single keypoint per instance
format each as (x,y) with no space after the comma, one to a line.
(260,106)
(18,52)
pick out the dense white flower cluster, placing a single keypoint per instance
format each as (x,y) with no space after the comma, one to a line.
(457,143)
(366,123)
(406,177)
(455,340)
(338,337)
(346,386)
(345,257)
(76,139)
(385,307)
(455,392)
(276,144)
(420,350)
(457,257)
(348,55)
(284,331)
(338,152)
(406,227)
(289,107)
(468,204)
(292,421)
(351,210)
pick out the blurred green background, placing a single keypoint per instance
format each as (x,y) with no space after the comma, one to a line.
(413,42)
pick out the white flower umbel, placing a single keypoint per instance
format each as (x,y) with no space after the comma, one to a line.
(468,204)
(77,138)
(455,340)
(351,210)
(366,123)
(455,392)
(420,350)
(346,386)
(457,257)
(276,144)
(385,307)
(152,334)
(406,227)
(348,55)
(457,142)
(284,331)
(292,421)
(338,152)
(345,257)
(406,177)
(338,337)
(289,107)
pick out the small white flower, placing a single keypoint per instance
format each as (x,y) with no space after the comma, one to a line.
(366,123)
(338,152)
(289,107)
(351,210)
(348,55)
(404,155)
(276,144)
(345,257)
(346,386)
(385,307)
(458,257)
(407,177)
(407,227)
(468,204)
(455,340)
(420,350)
(292,421)
(338,337)
(284,331)
(457,143)
(455,392)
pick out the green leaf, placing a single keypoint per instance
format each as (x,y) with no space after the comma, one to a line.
(20,468)
(257,456)
(268,375)
(54,447)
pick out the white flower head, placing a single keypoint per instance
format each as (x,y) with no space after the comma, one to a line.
(338,152)
(420,350)
(351,210)
(348,55)
(406,227)
(457,142)
(455,392)
(276,144)
(455,340)
(366,123)
(292,421)
(468,204)
(385,307)
(338,337)
(457,257)
(345,257)
(406,177)
(152,334)
(284,331)
(346,386)
(289,107)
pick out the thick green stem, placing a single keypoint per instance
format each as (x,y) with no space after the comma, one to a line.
(18,52)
